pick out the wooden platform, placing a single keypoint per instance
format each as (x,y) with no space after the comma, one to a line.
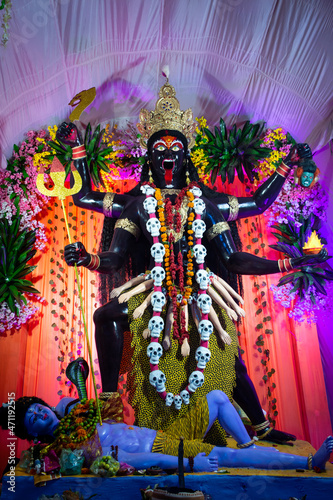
(235,484)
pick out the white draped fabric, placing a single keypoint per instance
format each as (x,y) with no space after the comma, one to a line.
(260,60)
(265,60)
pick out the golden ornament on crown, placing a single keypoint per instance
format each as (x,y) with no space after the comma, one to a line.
(167,116)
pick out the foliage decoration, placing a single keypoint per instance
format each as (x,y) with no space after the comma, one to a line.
(97,154)
(279,142)
(16,249)
(198,154)
(6,6)
(308,284)
(234,151)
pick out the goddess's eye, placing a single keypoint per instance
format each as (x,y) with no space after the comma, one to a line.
(160,148)
(175,148)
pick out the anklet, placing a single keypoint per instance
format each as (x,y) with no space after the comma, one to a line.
(246,445)
(261,427)
(310,457)
(265,434)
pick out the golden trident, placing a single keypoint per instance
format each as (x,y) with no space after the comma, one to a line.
(58,177)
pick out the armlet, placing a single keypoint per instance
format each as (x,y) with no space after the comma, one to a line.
(217,229)
(234,207)
(107,204)
(129,226)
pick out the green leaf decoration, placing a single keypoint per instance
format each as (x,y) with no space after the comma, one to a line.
(96,154)
(236,152)
(16,249)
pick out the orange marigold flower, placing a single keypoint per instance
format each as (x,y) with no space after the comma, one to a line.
(81,432)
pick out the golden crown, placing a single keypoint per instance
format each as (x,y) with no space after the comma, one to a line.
(168,116)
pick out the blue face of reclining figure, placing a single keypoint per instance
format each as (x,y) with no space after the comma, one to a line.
(40,420)
(306,179)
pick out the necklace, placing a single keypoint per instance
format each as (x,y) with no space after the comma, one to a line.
(169,221)
(80,423)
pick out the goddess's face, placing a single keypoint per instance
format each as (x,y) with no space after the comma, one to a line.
(167,156)
(40,420)
(306,179)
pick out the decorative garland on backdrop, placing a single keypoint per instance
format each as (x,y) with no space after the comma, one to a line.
(114,154)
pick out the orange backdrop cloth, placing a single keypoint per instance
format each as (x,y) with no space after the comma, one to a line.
(34,359)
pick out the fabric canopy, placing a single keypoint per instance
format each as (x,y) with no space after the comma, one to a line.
(259,60)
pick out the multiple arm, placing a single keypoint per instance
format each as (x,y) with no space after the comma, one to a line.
(221,242)
(266,194)
(111,205)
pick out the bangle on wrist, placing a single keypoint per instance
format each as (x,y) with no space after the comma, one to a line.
(283,170)
(285,265)
(94,263)
(79,152)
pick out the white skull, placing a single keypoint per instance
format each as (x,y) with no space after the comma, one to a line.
(185,395)
(202,356)
(150,204)
(199,206)
(158,301)
(156,325)
(200,253)
(178,402)
(158,379)
(205,328)
(196,191)
(169,399)
(204,303)
(154,352)
(202,278)
(158,275)
(147,190)
(157,252)
(179,298)
(196,380)
(199,227)
(153,226)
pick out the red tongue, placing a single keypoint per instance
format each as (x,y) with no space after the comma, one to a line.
(168,176)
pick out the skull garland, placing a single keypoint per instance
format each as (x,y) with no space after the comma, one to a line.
(169,399)
(156,324)
(196,380)
(199,206)
(157,251)
(199,227)
(147,190)
(185,395)
(204,303)
(153,226)
(158,301)
(205,329)
(157,380)
(158,275)
(150,205)
(202,356)
(154,352)
(178,402)
(202,278)
(200,253)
